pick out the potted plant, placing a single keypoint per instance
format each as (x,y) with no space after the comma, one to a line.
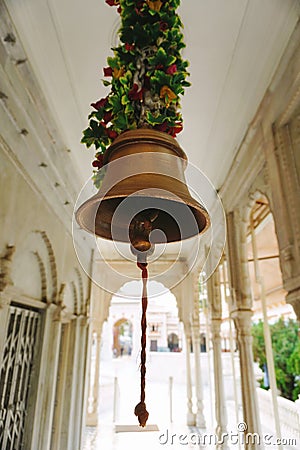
(146,76)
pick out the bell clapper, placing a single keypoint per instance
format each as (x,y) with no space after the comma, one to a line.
(140,229)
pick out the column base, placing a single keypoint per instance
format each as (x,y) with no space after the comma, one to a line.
(200,421)
(91,420)
(191,419)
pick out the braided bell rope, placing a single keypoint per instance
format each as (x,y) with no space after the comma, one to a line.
(140,410)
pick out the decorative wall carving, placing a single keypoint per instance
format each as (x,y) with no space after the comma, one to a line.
(5,267)
(83,306)
(52,264)
(43,277)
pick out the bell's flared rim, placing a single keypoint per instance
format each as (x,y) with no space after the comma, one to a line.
(92,204)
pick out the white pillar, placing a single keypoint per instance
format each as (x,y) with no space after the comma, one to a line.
(191,419)
(242,320)
(92,416)
(79,389)
(70,413)
(61,386)
(241,304)
(267,334)
(200,420)
(220,407)
(215,310)
(86,377)
(43,416)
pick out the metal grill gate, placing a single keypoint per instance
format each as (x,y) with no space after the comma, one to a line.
(15,372)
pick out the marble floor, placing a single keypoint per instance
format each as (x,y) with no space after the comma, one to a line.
(164,430)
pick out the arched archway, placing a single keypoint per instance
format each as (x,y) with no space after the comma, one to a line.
(265,265)
(269,303)
(122,337)
(173,342)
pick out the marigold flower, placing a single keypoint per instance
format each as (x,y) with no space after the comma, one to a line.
(118,73)
(167,94)
(154,5)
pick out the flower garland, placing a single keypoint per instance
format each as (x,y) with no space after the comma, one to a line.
(146,76)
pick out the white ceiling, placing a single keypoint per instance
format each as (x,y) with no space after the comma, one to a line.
(233,47)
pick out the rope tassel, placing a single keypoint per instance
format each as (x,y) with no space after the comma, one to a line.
(140,410)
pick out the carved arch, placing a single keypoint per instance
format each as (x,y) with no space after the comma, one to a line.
(75,298)
(82,304)
(52,265)
(43,277)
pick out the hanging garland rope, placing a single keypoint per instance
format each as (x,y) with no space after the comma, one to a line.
(140,409)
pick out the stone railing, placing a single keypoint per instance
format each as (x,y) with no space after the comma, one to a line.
(289,414)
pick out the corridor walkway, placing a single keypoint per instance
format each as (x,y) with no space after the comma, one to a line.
(175,435)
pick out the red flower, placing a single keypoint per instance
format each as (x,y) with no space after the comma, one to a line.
(97,164)
(119,10)
(107,116)
(100,157)
(134,93)
(162,127)
(111,134)
(107,71)
(100,103)
(138,8)
(129,47)
(175,130)
(163,26)
(171,69)
(112,2)
(159,66)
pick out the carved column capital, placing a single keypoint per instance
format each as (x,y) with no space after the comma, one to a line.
(4,300)
(293,298)
(215,327)
(242,319)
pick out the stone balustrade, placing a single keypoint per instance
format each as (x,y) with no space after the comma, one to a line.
(289,414)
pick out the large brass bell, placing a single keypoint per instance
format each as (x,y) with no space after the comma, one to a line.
(144,199)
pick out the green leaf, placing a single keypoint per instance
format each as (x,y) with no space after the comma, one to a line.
(116,104)
(114,63)
(125,100)
(106,83)
(120,122)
